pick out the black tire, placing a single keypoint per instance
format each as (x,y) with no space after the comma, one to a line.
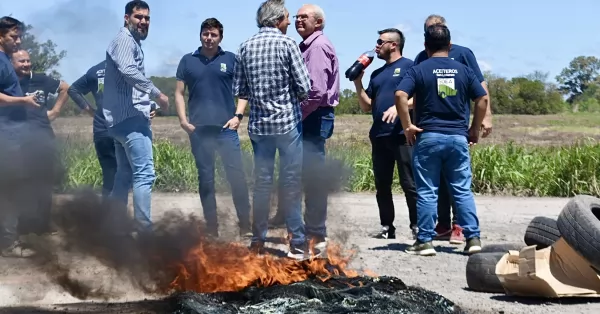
(542,231)
(481,272)
(579,224)
(502,247)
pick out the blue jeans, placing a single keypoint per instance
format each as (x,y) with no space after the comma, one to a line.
(289,146)
(105,151)
(205,141)
(435,154)
(316,129)
(135,165)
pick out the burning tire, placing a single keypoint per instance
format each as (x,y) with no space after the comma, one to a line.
(336,295)
(579,224)
(481,272)
(542,231)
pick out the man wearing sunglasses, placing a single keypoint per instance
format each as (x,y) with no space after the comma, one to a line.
(127,108)
(447,228)
(389,146)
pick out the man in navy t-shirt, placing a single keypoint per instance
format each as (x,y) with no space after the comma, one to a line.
(213,122)
(16,138)
(443,89)
(389,146)
(447,228)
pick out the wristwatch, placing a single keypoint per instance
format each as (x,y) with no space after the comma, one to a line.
(239,116)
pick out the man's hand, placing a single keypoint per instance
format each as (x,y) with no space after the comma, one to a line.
(52,115)
(30,101)
(411,134)
(232,124)
(359,77)
(486,126)
(152,114)
(474,136)
(389,116)
(163,102)
(188,127)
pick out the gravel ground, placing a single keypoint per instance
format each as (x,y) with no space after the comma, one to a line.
(502,219)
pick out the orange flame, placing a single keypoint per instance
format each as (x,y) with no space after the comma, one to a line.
(221,267)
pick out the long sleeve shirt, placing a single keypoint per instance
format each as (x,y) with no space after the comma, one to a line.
(323,68)
(127,90)
(271,74)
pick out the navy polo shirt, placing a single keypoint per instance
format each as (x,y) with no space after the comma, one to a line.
(9,85)
(444,88)
(381,90)
(461,54)
(93,82)
(210,86)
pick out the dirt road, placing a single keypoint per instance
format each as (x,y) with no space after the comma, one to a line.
(502,219)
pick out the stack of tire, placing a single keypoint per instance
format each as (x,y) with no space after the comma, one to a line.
(578,223)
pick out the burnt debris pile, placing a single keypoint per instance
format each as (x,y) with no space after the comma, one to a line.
(337,295)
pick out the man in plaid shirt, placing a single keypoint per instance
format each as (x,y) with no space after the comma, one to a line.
(272,77)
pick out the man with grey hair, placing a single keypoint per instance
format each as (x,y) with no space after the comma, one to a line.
(447,228)
(317,118)
(271,75)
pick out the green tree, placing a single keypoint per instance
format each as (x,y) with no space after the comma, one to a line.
(581,74)
(44,55)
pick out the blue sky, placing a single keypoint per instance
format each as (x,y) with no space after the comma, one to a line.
(510,38)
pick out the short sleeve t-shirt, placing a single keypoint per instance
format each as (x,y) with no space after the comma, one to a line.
(381,90)
(461,54)
(444,89)
(210,85)
(9,85)
(93,82)
(42,86)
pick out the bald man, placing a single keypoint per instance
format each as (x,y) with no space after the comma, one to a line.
(41,86)
(317,116)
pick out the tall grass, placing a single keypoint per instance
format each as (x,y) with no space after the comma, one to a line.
(507,169)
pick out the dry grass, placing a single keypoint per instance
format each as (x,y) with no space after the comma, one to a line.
(533,130)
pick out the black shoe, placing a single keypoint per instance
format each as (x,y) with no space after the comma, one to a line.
(298,252)
(386,233)
(257,248)
(473,246)
(245,232)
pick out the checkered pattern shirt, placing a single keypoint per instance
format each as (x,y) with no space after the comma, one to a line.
(271,74)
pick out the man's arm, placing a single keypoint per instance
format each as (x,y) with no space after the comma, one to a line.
(364,96)
(471,62)
(77,92)
(121,51)
(6,100)
(478,94)
(63,95)
(404,91)
(240,85)
(300,77)
(320,70)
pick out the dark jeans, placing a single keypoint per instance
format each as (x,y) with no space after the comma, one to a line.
(28,174)
(387,152)
(205,141)
(105,151)
(445,202)
(317,127)
(290,148)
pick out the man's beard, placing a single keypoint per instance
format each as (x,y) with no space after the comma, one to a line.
(137,34)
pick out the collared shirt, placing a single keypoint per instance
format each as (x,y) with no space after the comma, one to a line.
(271,74)
(127,90)
(9,85)
(323,68)
(92,82)
(210,85)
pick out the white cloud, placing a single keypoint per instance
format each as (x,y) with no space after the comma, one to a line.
(484,66)
(405,28)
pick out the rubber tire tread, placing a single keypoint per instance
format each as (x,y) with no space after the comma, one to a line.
(579,224)
(481,272)
(542,232)
(502,247)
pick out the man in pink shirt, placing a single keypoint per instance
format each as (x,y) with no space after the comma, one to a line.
(317,116)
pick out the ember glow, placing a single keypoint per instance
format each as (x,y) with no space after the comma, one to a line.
(227,267)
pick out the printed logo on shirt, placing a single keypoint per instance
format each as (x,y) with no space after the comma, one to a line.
(397,71)
(100,85)
(223,67)
(445,87)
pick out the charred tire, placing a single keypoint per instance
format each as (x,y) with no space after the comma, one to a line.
(579,224)
(542,231)
(502,247)
(481,272)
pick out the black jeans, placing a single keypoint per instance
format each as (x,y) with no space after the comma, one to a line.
(445,201)
(387,152)
(105,151)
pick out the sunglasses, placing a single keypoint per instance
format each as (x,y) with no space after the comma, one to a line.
(381,42)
